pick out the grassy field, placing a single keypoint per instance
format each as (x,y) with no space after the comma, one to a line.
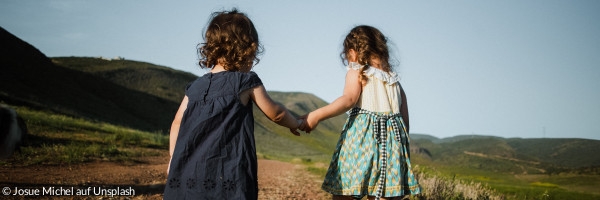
(519,186)
(56,139)
(59,139)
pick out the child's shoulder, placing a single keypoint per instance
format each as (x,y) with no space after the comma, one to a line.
(234,78)
(388,77)
(227,75)
(242,77)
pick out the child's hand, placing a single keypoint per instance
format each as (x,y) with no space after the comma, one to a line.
(310,123)
(295,130)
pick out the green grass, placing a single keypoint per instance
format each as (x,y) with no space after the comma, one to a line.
(317,171)
(541,184)
(59,139)
(71,153)
(540,192)
(516,186)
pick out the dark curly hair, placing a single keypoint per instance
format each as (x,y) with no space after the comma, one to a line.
(369,43)
(230,40)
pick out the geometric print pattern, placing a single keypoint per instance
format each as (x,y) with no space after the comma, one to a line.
(372,158)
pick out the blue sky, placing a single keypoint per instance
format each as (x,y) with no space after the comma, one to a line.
(503,68)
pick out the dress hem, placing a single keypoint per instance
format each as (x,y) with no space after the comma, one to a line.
(414,190)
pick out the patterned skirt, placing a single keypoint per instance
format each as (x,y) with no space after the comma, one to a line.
(372,158)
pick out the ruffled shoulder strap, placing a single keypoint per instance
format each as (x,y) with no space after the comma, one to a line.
(388,77)
(354,66)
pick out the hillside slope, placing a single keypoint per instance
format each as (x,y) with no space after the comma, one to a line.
(511,154)
(29,78)
(152,79)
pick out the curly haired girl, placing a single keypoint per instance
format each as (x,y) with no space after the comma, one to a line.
(213,154)
(372,155)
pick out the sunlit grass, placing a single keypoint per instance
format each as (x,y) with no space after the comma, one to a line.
(540,184)
(60,139)
(512,186)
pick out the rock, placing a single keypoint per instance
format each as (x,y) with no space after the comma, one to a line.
(12,131)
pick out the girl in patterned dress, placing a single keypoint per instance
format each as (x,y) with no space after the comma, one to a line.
(372,154)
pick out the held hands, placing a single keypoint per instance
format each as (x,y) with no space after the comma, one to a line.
(310,122)
(295,130)
(306,123)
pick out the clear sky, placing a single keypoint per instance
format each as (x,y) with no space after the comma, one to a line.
(503,68)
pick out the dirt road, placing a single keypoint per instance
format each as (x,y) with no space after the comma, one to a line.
(277,180)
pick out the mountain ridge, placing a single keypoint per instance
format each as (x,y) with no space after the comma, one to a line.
(548,153)
(30,78)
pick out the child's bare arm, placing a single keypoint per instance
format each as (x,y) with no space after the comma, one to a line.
(274,111)
(352,91)
(404,109)
(175,125)
(175,128)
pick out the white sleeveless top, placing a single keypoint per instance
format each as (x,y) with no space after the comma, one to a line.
(381,93)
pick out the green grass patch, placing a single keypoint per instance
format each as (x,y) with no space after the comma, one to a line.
(59,139)
(317,171)
(516,186)
(67,154)
(540,192)
(540,184)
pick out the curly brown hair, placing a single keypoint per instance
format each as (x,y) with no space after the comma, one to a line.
(230,40)
(369,43)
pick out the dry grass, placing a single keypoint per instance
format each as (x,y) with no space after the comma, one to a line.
(435,187)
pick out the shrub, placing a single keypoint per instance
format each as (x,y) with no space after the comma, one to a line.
(438,188)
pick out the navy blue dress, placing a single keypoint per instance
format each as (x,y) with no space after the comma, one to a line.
(215,154)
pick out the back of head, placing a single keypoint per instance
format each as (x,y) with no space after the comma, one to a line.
(370,44)
(230,40)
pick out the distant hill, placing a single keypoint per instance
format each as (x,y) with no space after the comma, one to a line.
(511,154)
(152,79)
(566,152)
(457,138)
(417,136)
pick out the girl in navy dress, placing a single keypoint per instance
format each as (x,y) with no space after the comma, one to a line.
(213,155)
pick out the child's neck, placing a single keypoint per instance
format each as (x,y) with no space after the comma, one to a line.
(217,68)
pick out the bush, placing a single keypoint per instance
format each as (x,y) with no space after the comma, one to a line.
(438,188)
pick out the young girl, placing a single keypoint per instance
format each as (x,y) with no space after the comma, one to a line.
(372,155)
(212,137)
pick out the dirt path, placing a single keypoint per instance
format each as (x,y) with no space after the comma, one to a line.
(277,180)
(281,180)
